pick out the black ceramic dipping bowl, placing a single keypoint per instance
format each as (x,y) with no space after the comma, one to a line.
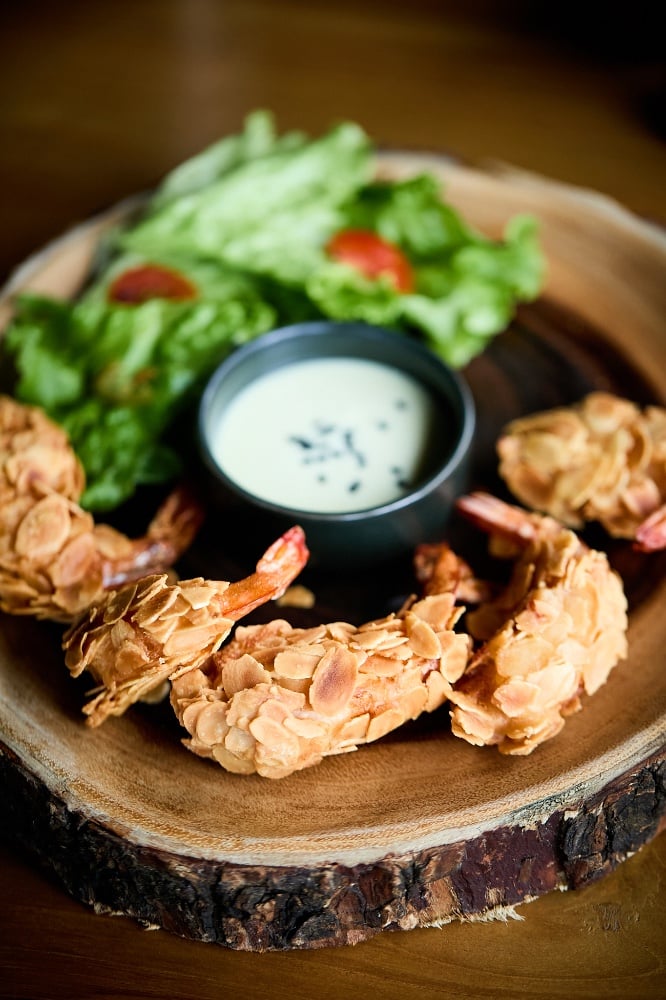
(351,538)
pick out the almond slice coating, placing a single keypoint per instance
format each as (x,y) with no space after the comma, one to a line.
(354,685)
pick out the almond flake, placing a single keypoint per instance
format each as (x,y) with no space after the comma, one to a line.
(244,672)
(297,663)
(211,724)
(231,763)
(422,639)
(333,681)
(384,723)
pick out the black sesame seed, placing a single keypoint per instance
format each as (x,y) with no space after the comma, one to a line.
(302,442)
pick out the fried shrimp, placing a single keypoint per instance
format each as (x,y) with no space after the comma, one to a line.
(150,631)
(278,699)
(54,559)
(553,633)
(602,460)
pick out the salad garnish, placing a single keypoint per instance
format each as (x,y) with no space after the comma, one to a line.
(259,230)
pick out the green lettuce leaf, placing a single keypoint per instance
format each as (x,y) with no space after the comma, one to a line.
(120,448)
(118,376)
(257,139)
(268,215)
(411,214)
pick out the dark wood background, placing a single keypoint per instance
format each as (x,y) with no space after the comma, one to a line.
(98,100)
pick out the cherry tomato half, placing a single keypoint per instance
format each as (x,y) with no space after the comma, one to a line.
(150,281)
(372,255)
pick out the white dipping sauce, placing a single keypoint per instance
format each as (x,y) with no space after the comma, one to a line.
(327,435)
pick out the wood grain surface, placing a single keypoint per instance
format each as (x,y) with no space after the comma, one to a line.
(479,84)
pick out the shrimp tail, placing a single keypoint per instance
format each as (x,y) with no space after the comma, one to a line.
(493,516)
(278,567)
(440,570)
(651,534)
(169,534)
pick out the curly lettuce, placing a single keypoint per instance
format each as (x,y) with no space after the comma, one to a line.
(117,377)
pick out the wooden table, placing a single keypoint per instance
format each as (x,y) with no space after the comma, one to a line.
(99,100)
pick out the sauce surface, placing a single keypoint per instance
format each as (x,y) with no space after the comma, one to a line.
(327,435)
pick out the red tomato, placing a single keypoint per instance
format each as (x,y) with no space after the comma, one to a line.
(372,256)
(150,281)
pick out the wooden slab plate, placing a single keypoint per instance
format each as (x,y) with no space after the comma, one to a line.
(419,828)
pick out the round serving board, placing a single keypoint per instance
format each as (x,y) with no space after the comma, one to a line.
(419,828)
